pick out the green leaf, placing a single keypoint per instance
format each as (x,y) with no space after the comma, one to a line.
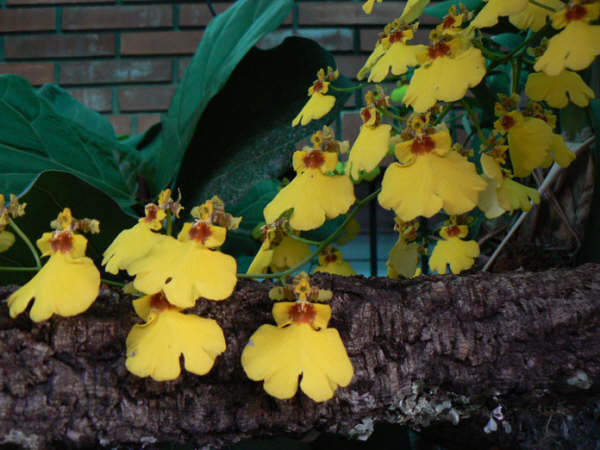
(226,40)
(440,9)
(46,197)
(246,134)
(35,138)
(68,106)
(509,41)
(574,121)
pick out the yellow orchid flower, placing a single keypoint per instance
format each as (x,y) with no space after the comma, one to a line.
(534,17)
(318,104)
(287,253)
(559,89)
(398,56)
(330,261)
(493,9)
(368,6)
(453,251)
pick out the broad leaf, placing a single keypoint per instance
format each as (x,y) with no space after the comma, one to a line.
(227,39)
(68,106)
(34,137)
(246,134)
(46,197)
(509,41)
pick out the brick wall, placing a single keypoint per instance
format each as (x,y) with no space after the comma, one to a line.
(123,58)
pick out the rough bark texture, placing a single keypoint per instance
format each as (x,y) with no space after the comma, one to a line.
(438,353)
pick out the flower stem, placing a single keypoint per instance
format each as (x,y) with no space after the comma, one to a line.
(301,239)
(113,283)
(18,269)
(445,111)
(473,118)
(349,89)
(542,5)
(321,246)
(22,235)
(385,112)
(169,223)
(516,73)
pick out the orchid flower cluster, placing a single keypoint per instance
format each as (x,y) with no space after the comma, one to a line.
(434,175)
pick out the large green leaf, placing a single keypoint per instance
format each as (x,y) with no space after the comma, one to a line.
(227,39)
(69,107)
(246,134)
(34,137)
(46,197)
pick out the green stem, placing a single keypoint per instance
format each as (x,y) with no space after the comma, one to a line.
(349,89)
(542,5)
(169,223)
(34,252)
(113,283)
(473,118)
(523,45)
(385,112)
(445,111)
(18,269)
(320,247)
(301,239)
(487,52)
(516,73)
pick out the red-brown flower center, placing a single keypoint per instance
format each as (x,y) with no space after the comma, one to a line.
(438,50)
(159,301)
(507,122)
(318,86)
(422,145)
(200,232)
(330,257)
(302,312)
(448,22)
(453,231)
(396,36)
(62,241)
(575,12)
(314,159)
(365,114)
(151,212)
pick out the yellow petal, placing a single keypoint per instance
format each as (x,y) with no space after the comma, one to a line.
(370,147)
(79,244)
(533,16)
(488,200)
(488,16)
(262,260)
(338,268)
(430,184)
(573,48)
(7,239)
(314,197)
(412,10)
(317,106)
(529,145)
(185,272)
(446,79)
(279,355)
(216,235)
(397,58)
(65,286)
(513,195)
(368,6)
(281,314)
(557,90)
(129,246)
(562,154)
(456,252)
(491,168)
(288,253)
(142,306)
(403,259)
(377,53)
(154,349)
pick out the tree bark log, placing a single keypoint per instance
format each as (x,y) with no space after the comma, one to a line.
(437,352)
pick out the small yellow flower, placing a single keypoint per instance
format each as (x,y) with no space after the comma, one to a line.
(313,195)
(378,52)
(533,16)
(368,5)
(370,147)
(430,177)
(7,239)
(578,44)
(448,70)
(493,9)
(397,56)
(558,90)
(403,259)
(154,348)
(134,243)
(186,268)
(285,254)
(452,250)
(318,104)
(412,10)
(300,344)
(330,261)
(67,284)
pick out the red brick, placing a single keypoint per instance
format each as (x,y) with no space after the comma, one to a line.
(58,46)
(327,13)
(115,71)
(146,98)
(98,99)
(332,39)
(368,38)
(53,2)
(42,19)
(121,124)
(145,121)
(351,123)
(198,15)
(110,17)
(35,73)
(160,43)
